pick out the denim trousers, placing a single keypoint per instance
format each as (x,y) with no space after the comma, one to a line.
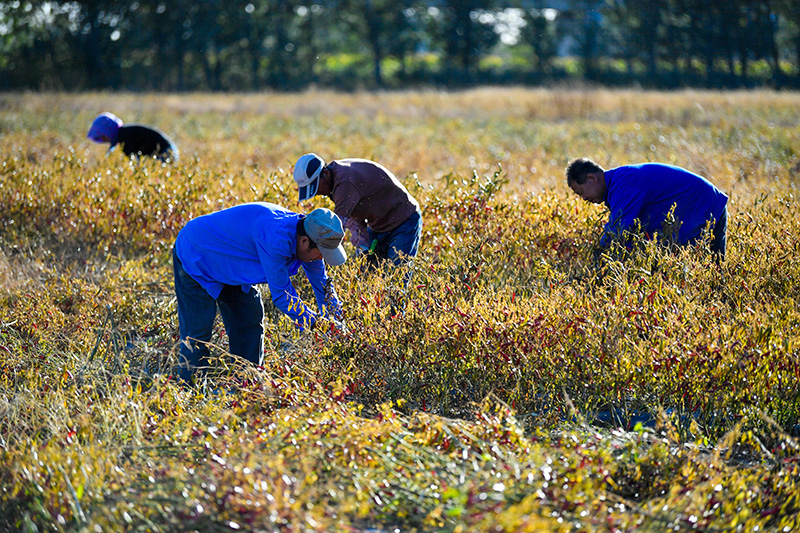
(242,314)
(720,242)
(402,240)
(719,236)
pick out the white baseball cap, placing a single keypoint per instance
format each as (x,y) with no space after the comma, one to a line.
(324,228)
(306,174)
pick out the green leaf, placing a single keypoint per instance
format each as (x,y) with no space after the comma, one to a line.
(455,511)
(451,494)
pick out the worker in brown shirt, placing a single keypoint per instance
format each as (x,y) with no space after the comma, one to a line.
(379,212)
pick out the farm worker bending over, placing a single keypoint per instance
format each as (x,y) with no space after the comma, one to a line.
(648,192)
(135,139)
(219,258)
(379,212)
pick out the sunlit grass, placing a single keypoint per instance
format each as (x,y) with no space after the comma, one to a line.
(525,387)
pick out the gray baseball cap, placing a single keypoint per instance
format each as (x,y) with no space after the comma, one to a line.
(325,229)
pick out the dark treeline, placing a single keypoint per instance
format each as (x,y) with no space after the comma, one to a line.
(241,45)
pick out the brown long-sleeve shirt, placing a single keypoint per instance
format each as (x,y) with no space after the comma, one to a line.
(366,190)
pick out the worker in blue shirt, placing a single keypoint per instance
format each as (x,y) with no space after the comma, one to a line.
(219,258)
(649,192)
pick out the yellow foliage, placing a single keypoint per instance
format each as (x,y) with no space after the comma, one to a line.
(524,386)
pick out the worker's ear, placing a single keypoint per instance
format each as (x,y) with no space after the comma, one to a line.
(592,176)
(325,182)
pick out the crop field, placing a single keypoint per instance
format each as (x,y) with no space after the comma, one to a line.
(520,382)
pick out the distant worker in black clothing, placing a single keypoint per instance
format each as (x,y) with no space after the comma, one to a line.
(135,139)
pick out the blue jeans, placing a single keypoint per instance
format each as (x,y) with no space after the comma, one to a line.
(719,236)
(404,239)
(242,314)
(720,242)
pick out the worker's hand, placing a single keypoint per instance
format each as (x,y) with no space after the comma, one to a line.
(359,235)
(339,327)
(330,326)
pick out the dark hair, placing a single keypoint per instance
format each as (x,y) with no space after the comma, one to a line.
(301,232)
(579,168)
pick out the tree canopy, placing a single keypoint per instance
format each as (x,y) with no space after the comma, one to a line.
(243,45)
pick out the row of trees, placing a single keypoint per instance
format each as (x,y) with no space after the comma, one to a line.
(712,43)
(181,45)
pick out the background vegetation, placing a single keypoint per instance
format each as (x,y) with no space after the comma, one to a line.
(526,387)
(243,45)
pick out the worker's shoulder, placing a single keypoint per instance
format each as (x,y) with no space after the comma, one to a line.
(355,167)
(135,126)
(354,162)
(637,173)
(142,130)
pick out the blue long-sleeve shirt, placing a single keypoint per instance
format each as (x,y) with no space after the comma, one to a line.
(648,191)
(251,244)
